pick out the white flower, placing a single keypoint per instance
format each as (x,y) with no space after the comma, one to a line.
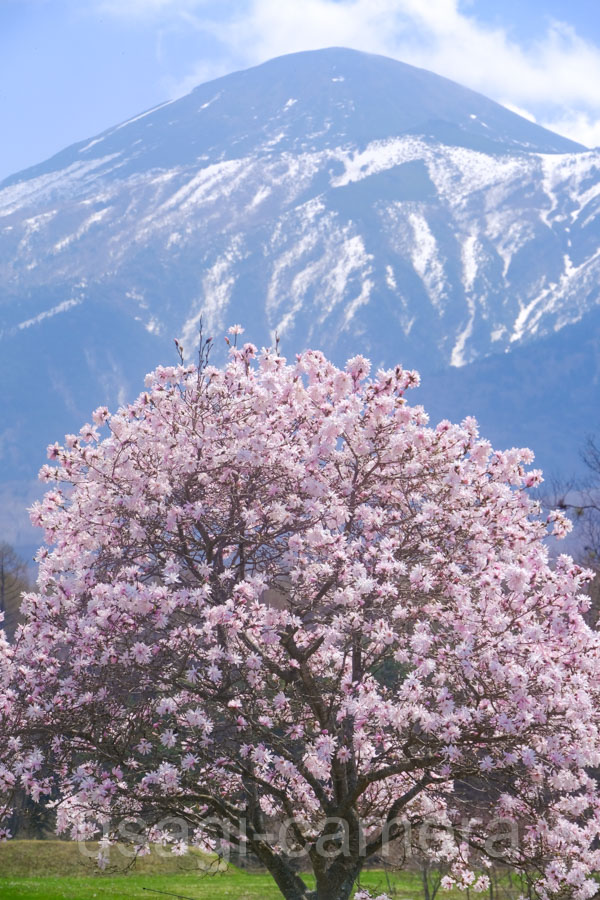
(168,738)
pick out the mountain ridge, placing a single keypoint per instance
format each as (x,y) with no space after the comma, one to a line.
(417,115)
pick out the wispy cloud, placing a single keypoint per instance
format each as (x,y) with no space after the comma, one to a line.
(555,76)
(579,126)
(199,73)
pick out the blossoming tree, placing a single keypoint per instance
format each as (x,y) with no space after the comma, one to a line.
(277,607)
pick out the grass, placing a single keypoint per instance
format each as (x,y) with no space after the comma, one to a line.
(234,886)
(57,870)
(69,858)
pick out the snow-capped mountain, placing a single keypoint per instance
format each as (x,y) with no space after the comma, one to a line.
(343,200)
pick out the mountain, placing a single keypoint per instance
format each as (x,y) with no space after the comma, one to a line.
(343,200)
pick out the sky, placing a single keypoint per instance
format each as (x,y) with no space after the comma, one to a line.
(71,68)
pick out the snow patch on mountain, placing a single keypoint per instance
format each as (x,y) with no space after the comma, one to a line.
(377,157)
(212,303)
(469,260)
(213,181)
(427,260)
(457,357)
(48,313)
(78,175)
(83,229)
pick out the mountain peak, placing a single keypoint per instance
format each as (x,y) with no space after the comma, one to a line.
(334,95)
(411,99)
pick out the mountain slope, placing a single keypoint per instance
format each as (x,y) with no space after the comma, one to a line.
(334,97)
(340,199)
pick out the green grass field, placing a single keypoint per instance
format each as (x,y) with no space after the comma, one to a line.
(57,870)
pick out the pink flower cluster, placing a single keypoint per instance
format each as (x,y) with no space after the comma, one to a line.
(272,590)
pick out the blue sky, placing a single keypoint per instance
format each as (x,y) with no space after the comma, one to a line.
(71,68)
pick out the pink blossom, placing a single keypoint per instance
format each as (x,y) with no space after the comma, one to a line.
(275,587)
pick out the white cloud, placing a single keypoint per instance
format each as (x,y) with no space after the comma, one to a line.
(519,110)
(559,67)
(556,76)
(199,73)
(578,126)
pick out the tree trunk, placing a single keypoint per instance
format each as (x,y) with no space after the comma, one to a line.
(287,880)
(291,886)
(336,883)
(2,588)
(425,880)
